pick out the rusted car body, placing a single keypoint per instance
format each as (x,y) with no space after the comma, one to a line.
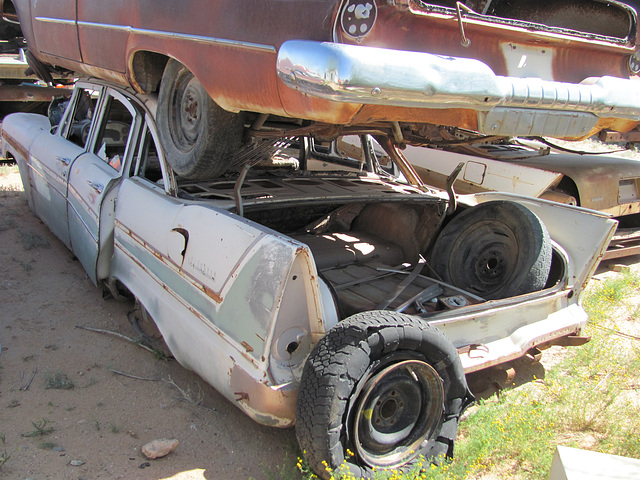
(609,183)
(499,67)
(254,279)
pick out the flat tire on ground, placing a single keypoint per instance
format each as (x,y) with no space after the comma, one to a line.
(380,390)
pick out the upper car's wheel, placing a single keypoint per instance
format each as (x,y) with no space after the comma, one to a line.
(379,390)
(496,250)
(197,135)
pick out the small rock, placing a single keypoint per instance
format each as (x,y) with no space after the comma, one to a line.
(76,463)
(159,448)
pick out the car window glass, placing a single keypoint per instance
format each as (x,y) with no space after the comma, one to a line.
(81,112)
(113,134)
(148,159)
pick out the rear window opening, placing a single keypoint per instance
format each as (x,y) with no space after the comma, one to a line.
(593,18)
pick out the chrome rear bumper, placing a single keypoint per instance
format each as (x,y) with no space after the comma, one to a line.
(505,105)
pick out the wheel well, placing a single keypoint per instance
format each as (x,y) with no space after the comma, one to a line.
(569,187)
(146,70)
(8,11)
(9,158)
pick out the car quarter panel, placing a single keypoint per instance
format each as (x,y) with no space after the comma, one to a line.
(242,34)
(18,132)
(213,282)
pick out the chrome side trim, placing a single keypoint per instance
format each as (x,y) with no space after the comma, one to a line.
(367,75)
(183,36)
(56,20)
(163,34)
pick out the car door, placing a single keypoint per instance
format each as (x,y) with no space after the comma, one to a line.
(55,28)
(99,26)
(94,177)
(51,157)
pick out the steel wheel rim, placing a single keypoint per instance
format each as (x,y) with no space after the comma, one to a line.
(185,112)
(398,409)
(485,257)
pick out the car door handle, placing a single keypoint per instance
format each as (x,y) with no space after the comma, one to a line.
(66,161)
(98,187)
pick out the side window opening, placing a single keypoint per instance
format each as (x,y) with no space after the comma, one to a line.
(113,135)
(78,122)
(148,159)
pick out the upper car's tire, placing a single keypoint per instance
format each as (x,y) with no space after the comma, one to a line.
(495,250)
(198,136)
(380,389)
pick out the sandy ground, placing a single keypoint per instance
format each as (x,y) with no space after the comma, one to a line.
(99,425)
(97,428)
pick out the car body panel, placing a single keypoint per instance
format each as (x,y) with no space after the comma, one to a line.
(232,49)
(49,181)
(55,28)
(90,181)
(242,299)
(479,174)
(609,183)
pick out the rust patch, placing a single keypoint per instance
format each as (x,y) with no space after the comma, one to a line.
(17,146)
(465,118)
(268,405)
(248,347)
(211,294)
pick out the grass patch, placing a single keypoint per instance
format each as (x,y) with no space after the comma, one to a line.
(31,240)
(7,223)
(585,401)
(58,381)
(5,170)
(27,266)
(4,458)
(41,428)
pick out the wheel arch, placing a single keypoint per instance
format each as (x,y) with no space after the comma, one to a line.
(568,186)
(145,70)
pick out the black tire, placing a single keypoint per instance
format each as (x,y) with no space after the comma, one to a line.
(380,389)
(198,137)
(495,250)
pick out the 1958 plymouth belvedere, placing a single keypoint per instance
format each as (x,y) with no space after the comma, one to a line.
(230,70)
(320,284)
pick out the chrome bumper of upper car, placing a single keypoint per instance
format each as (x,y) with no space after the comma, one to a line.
(505,105)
